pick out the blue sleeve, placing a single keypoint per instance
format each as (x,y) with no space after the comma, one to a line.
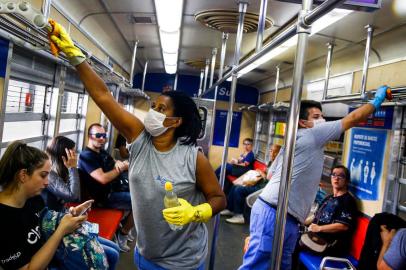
(88,162)
(250,158)
(395,256)
(327,131)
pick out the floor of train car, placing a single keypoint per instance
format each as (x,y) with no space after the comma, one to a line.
(230,243)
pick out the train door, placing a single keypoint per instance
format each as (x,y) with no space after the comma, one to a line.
(206,114)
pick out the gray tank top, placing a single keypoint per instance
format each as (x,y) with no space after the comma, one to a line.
(149,170)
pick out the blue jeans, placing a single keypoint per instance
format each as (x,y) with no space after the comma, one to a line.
(236,197)
(144,264)
(258,255)
(111,250)
(119,200)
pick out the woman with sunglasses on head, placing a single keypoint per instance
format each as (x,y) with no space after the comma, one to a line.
(334,221)
(162,148)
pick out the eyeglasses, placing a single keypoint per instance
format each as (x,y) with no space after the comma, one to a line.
(246,144)
(339,176)
(99,135)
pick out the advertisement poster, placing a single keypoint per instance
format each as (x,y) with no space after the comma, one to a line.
(365,162)
(220,128)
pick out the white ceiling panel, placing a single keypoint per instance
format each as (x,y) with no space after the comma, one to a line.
(197,40)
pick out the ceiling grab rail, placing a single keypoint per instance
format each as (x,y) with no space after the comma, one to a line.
(144,76)
(261,25)
(133,58)
(213,65)
(224,38)
(330,47)
(242,9)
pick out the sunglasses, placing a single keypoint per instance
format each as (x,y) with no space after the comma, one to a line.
(99,135)
(339,176)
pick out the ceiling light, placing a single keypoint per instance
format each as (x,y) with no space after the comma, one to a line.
(170,58)
(330,18)
(169,14)
(169,41)
(170,69)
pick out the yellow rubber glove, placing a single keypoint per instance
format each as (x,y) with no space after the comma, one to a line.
(186,213)
(66,45)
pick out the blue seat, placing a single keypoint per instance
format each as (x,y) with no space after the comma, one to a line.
(312,261)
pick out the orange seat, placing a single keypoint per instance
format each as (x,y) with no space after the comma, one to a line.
(257,165)
(108,220)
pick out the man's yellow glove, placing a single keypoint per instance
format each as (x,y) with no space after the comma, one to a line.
(186,213)
(63,41)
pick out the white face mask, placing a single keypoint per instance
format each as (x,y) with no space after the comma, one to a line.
(154,123)
(318,121)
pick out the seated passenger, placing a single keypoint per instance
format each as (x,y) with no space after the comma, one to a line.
(24,174)
(100,172)
(237,194)
(334,221)
(372,246)
(64,182)
(237,167)
(393,252)
(121,145)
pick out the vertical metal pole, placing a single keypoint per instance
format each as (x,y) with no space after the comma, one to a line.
(261,25)
(213,65)
(242,8)
(370,32)
(133,63)
(61,92)
(5,91)
(206,74)
(222,59)
(283,197)
(201,82)
(278,69)
(175,83)
(116,93)
(328,68)
(46,8)
(144,75)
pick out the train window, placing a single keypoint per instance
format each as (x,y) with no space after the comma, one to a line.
(71,115)
(26,110)
(25,97)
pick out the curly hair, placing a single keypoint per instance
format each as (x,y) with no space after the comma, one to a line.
(186,108)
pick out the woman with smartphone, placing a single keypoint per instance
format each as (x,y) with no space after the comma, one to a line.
(24,172)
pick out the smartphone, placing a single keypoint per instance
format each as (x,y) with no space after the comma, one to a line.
(85,210)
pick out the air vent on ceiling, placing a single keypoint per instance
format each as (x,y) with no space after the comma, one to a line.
(142,19)
(227,20)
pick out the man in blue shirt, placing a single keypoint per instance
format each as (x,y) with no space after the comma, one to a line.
(99,171)
(393,252)
(312,135)
(238,167)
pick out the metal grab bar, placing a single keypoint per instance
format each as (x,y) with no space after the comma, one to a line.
(317,13)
